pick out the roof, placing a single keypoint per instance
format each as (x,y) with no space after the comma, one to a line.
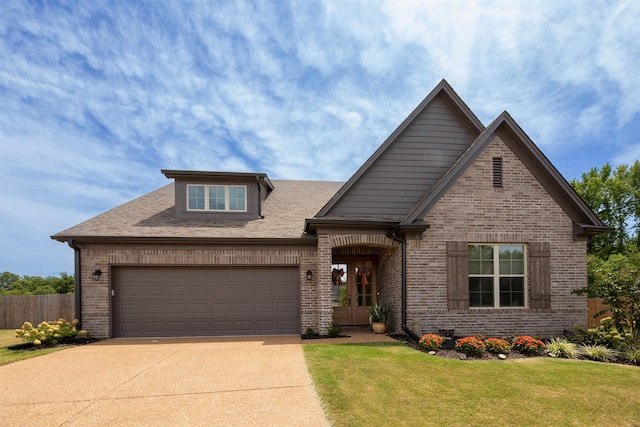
(152,217)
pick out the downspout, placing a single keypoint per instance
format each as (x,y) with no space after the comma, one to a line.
(77,283)
(259,198)
(403,242)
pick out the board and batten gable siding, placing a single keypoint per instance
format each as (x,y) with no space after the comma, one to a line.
(420,155)
(521,212)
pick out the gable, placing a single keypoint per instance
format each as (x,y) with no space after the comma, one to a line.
(532,159)
(410,162)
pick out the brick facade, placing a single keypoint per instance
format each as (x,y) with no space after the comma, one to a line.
(474,211)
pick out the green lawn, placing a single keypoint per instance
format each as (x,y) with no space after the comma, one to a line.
(393,385)
(7,338)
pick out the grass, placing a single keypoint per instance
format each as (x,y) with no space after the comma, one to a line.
(393,385)
(7,338)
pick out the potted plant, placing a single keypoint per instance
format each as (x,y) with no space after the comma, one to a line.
(378,315)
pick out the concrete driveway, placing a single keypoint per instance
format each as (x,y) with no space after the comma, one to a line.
(175,382)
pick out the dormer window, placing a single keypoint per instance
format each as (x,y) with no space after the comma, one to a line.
(233,196)
(217,198)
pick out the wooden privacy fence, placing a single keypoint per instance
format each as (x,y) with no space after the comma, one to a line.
(15,310)
(596,306)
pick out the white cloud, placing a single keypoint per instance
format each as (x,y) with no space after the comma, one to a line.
(97,97)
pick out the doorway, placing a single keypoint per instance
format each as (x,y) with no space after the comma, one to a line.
(353,289)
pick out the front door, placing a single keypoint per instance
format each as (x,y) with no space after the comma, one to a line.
(353,290)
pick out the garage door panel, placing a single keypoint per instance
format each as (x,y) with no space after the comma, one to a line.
(157,301)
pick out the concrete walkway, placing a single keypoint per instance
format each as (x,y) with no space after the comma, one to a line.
(257,381)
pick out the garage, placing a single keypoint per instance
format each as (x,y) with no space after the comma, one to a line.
(205,301)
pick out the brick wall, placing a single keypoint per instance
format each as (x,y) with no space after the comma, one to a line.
(473,211)
(95,294)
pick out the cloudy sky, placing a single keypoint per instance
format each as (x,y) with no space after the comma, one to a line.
(97,96)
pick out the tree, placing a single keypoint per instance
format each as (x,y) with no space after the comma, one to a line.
(12,284)
(614,195)
(616,281)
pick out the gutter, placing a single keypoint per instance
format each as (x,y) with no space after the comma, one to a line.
(77,283)
(403,242)
(259,198)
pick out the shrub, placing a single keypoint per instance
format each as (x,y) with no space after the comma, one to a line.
(560,347)
(470,345)
(49,332)
(527,345)
(497,345)
(632,355)
(310,333)
(431,342)
(599,353)
(334,329)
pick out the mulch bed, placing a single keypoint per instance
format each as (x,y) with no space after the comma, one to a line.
(453,354)
(29,346)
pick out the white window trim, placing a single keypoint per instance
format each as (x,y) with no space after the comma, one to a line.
(496,277)
(226,198)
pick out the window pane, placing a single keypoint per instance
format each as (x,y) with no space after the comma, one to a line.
(511,259)
(480,259)
(216,198)
(511,292)
(196,197)
(237,199)
(481,291)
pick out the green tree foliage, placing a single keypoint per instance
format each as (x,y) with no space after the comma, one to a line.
(616,281)
(614,258)
(614,195)
(13,284)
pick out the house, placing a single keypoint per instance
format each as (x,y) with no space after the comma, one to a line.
(453,224)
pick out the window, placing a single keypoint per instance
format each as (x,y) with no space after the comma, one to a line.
(219,198)
(496,276)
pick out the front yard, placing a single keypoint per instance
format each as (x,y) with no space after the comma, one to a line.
(7,338)
(391,384)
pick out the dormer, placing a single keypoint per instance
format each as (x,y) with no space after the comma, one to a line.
(219,195)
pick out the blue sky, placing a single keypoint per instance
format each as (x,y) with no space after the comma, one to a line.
(97,96)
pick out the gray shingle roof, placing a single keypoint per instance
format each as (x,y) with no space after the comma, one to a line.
(152,215)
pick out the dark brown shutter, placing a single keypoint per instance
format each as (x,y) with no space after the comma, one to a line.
(458,275)
(540,265)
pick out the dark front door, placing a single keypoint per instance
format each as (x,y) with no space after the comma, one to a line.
(353,290)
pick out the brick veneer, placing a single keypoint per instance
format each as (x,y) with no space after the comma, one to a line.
(473,210)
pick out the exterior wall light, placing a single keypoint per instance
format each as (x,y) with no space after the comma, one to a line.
(309,275)
(96,274)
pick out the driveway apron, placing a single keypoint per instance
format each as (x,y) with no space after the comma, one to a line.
(253,381)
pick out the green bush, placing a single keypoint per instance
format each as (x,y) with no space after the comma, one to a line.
(334,329)
(632,355)
(561,348)
(431,342)
(471,346)
(597,352)
(527,345)
(310,333)
(50,332)
(497,345)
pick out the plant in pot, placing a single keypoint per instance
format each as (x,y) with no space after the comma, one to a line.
(378,315)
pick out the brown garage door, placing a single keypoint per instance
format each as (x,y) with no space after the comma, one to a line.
(168,301)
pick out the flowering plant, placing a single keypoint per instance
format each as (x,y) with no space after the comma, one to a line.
(310,333)
(431,342)
(49,332)
(497,345)
(470,345)
(527,344)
